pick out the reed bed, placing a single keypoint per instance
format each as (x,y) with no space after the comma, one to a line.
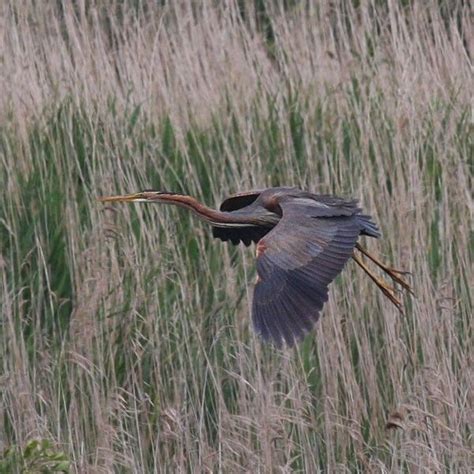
(125,337)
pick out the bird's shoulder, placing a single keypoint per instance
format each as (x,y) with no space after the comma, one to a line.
(317,205)
(240,200)
(291,197)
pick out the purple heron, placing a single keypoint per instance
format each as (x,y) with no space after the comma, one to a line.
(303,242)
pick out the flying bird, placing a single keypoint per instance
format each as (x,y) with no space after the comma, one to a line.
(303,242)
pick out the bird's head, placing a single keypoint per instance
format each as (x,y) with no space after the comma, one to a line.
(143,196)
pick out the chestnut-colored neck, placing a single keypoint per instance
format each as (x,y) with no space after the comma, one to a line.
(202,211)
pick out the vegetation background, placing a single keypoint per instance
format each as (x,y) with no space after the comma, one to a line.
(125,340)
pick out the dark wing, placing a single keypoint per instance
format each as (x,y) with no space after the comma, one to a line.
(247,235)
(333,205)
(296,262)
(239,200)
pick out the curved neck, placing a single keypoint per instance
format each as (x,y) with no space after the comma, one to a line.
(217,218)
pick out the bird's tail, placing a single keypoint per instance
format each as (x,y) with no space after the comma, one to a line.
(395,275)
(369,227)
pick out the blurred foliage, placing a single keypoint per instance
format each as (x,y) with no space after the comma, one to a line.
(37,456)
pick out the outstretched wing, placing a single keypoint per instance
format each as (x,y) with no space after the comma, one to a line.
(296,261)
(247,235)
(239,200)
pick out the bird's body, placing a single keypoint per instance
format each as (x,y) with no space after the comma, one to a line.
(275,199)
(303,242)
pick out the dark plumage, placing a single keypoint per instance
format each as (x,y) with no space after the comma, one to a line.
(298,257)
(303,242)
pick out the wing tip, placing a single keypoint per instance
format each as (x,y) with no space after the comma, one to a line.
(280,331)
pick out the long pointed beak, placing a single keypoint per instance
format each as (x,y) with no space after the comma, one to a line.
(137,197)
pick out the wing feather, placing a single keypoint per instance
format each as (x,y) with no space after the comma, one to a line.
(246,235)
(239,200)
(302,255)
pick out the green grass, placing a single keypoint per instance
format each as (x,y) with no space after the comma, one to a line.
(125,337)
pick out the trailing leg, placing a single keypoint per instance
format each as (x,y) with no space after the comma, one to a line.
(391,272)
(387,290)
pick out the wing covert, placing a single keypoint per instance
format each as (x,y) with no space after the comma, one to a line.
(296,262)
(247,235)
(239,200)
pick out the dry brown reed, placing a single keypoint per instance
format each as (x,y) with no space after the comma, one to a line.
(125,331)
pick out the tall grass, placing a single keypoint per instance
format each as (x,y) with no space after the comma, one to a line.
(125,337)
